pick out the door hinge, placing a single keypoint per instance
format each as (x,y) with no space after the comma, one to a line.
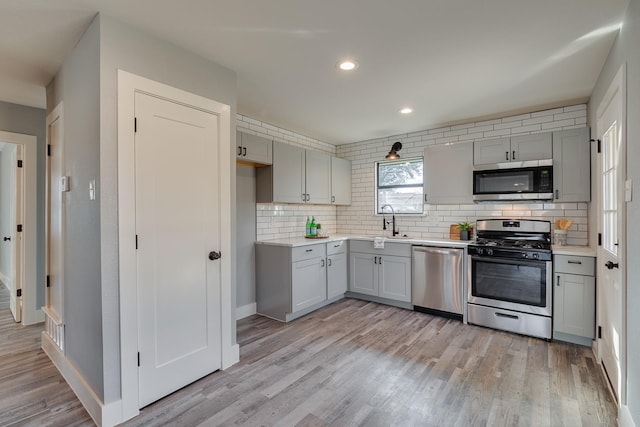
(19,228)
(48,149)
(19,292)
(135,124)
(599,331)
(48,281)
(136,241)
(138,359)
(19,163)
(599,239)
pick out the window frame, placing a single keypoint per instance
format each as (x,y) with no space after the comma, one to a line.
(376,186)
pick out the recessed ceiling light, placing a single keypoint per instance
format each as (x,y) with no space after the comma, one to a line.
(347,65)
(406,110)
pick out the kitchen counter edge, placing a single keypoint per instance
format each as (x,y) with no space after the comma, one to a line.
(301,241)
(574,250)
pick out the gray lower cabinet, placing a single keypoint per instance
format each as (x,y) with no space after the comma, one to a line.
(336,269)
(293,281)
(574,293)
(380,273)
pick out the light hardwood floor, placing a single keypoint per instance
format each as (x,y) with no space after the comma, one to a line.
(357,363)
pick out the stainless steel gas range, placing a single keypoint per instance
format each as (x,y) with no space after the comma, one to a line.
(510,276)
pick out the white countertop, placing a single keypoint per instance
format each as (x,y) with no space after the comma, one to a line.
(302,241)
(574,250)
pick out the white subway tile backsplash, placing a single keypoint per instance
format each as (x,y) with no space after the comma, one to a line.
(276,221)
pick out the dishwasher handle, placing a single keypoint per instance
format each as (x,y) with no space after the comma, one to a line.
(438,250)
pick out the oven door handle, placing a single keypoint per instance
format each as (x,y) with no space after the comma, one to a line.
(498,260)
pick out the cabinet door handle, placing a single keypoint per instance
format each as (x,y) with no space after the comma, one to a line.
(308,197)
(425,198)
(375,259)
(244,151)
(239,150)
(322,263)
(380,260)
(304,197)
(329,263)
(557,280)
(557,194)
(574,262)
(333,199)
(506,155)
(513,156)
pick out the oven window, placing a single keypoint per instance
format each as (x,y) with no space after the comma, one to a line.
(518,283)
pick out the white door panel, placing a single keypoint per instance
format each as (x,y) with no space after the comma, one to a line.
(177,225)
(611,225)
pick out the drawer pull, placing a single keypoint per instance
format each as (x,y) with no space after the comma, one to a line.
(574,262)
(309,250)
(337,246)
(508,316)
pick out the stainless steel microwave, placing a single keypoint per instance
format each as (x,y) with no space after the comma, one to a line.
(520,183)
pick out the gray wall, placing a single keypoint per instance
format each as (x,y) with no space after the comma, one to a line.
(87,83)
(7,183)
(245,234)
(31,121)
(625,50)
(78,85)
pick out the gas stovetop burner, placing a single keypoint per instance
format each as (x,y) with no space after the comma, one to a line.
(518,244)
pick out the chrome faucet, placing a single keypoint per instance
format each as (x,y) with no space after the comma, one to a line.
(385,221)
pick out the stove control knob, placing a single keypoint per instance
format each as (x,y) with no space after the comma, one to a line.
(489,251)
(534,256)
(524,255)
(480,251)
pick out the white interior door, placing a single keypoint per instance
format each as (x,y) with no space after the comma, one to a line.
(611,225)
(55,222)
(177,227)
(15,237)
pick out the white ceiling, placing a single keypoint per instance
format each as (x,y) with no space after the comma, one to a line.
(451,60)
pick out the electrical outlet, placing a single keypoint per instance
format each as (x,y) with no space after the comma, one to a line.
(64,184)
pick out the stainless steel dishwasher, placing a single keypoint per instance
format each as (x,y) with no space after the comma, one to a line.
(436,280)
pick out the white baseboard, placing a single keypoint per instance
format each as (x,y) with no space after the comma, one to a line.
(103,415)
(245,311)
(626,420)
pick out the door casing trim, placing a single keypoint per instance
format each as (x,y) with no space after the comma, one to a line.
(128,84)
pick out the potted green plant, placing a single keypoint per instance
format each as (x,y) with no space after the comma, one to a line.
(465,228)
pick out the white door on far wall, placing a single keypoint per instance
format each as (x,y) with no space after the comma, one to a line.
(611,226)
(177,230)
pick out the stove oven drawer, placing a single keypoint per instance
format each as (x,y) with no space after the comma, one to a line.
(512,321)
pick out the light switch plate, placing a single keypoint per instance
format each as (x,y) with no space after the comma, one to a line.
(92,189)
(628,185)
(64,184)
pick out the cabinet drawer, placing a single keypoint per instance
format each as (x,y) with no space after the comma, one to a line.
(574,265)
(337,247)
(307,252)
(366,246)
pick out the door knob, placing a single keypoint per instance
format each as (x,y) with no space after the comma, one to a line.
(7,238)
(213,255)
(611,265)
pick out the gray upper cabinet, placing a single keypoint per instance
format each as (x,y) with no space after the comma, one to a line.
(572,165)
(448,173)
(253,149)
(340,181)
(296,176)
(515,149)
(318,177)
